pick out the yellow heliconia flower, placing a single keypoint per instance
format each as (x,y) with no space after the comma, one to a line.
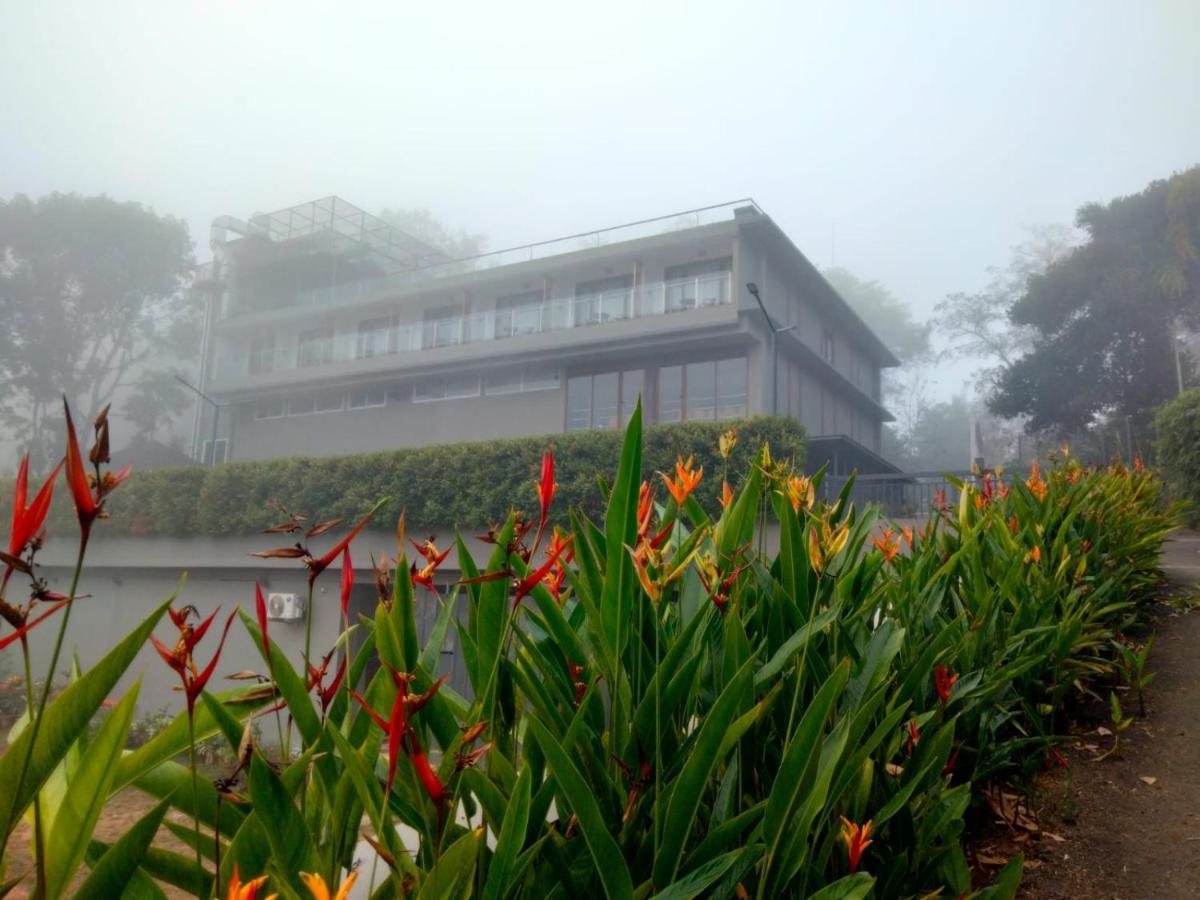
(726,442)
(317,887)
(799,492)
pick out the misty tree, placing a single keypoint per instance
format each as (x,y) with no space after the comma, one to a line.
(1104,319)
(93,300)
(978,327)
(421,224)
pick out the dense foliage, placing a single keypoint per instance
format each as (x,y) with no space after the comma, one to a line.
(1105,316)
(658,707)
(1177,424)
(471,484)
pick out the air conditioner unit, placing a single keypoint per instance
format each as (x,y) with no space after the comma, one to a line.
(285,607)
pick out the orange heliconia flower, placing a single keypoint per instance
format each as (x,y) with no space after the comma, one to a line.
(887,544)
(726,494)
(247,891)
(908,535)
(1036,484)
(799,491)
(685,481)
(320,891)
(857,840)
(1035,554)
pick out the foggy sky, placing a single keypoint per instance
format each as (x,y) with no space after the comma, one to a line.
(925,135)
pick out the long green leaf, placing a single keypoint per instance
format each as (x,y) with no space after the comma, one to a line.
(695,882)
(512,836)
(116,868)
(65,719)
(610,864)
(292,850)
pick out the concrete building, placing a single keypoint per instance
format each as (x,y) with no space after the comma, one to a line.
(331,332)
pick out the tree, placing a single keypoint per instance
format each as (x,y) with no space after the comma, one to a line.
(888,316)
(93,300)
(977,326)
(421,224)
(1105,317)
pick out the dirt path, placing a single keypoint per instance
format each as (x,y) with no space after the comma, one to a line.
(1130,827)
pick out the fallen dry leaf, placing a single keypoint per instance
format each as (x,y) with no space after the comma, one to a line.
(1149,779)
(1055,837)
(1104,732)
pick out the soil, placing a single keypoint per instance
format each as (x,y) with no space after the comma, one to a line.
(1127,826)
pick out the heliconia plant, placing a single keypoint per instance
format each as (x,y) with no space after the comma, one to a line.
(658,706)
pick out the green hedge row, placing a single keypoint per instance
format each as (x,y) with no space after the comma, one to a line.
(472,484)
(1177,424)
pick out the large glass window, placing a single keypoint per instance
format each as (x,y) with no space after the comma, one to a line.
(330,401)
(514,381)
(700,395)
(446,387)
(702,283)
(602,401)
(670,394)
(361,398)
(441,327)
(731,388)
(315,347)
(373,337)
(269,408)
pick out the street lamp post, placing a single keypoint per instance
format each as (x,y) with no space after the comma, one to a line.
(217,407)
(775,332)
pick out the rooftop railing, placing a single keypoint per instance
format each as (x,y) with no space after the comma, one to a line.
(321,348)
(337,294)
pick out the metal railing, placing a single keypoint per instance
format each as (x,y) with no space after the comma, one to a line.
(337,294)
(644,301)
(904,495)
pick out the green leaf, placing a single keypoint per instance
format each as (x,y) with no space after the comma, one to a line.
(696,881)
(512,837)
(292,850)
(688,788)
(117,866)
(620,531)
(795,644)
(65,718)
(455,869)
(68,836)
(852,887)
(1007,881)
(610,864)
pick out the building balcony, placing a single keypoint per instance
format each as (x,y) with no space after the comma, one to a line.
(580,319)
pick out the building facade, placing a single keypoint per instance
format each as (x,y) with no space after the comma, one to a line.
(330,332)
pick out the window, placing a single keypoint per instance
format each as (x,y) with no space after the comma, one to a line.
(515,381)
(362,398)
(447,387)
(373,337)
(603,300)
(715,389)
(316,347)
(330,401)
(442,327)
(670,394)
(302,405)
(268,409)
(703,283)
(262,354)
(206,454)
(602,401)
(731,388)
(519,314)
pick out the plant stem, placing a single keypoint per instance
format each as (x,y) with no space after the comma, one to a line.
(39,848)
(35,724)
(195,789)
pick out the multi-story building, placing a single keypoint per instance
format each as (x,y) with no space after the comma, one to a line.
(331,332)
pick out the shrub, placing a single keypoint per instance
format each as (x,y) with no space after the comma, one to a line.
(1177,424)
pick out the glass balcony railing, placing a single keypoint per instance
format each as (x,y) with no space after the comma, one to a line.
(654,299)
(337,295)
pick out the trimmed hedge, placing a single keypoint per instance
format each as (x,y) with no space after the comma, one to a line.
(1177,424)
(472,484)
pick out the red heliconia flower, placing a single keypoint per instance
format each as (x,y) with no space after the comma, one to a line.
(27,520)
(433,559)
(320,564)
(260,609)
(856,838)
(580,685)
(29,626)
(525,585)
(545,488)
(914,735)
(181,659)
(397,725)
(316,679)
(943,682)
(347,584)
(88,500)
(427,776)
(948,768)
